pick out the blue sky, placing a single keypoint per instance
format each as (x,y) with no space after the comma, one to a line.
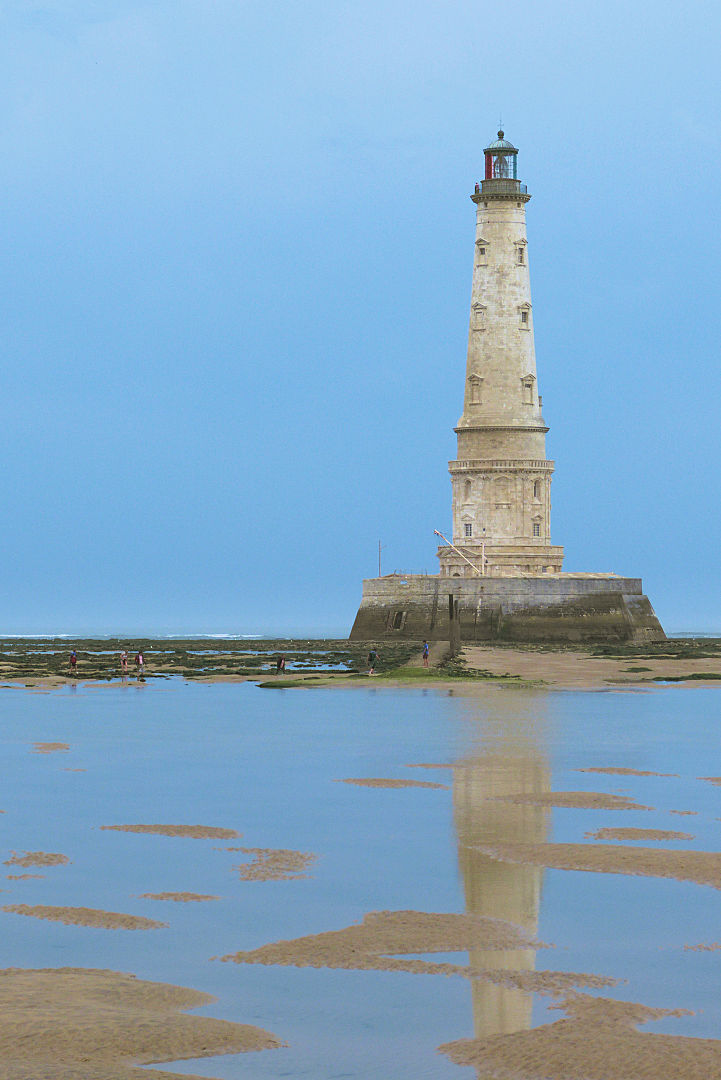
(236,267)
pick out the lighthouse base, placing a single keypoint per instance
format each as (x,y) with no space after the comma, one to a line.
(562,608)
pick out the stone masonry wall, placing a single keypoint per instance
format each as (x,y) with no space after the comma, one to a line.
(565,608)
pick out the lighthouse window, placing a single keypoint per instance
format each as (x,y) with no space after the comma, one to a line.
(536,529)
(520,255)
(524,318)
(468,529)
(536,489)
(479,317)
(481,251)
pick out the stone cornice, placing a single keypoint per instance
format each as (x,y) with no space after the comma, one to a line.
(501,427)
(485,197)
(522,465)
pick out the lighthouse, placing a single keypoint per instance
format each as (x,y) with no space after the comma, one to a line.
(500,577)
(501,478)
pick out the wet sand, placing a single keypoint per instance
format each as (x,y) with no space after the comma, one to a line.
(274,864)
(612,770)
(98,1025)
(597,1040)
(37,858)
(50,747)
(637,834)
(381,782)
(193,832)
(82,916)
(701,867)
(178,897)
(377,943)
(577,800)
(578,670)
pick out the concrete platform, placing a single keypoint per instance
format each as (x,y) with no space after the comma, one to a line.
(580,607)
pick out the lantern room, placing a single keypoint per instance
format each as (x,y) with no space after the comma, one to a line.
(501,159)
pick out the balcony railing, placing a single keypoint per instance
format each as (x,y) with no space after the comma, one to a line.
(501,187)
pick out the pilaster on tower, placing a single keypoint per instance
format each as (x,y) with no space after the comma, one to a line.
(501,479)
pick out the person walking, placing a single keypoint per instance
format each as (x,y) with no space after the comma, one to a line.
(73,663)
(124,662)
(373,659)
(140,662)
(280,665)
(426,651)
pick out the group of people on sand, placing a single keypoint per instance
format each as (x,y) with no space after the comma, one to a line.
(139,663)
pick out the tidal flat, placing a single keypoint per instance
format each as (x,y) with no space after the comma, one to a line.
(525,908)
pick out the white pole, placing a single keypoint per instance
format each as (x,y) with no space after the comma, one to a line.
(454,548)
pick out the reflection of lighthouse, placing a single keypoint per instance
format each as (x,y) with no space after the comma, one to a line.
(513,765)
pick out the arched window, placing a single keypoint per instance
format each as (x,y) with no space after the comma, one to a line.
(536,489)
(467,487)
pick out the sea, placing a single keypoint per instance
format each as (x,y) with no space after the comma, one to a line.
(267,763)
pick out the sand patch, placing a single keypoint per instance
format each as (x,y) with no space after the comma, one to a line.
(577,800)
(613,771)
(37,858)
(74,770)
(50,747)
(83,916)
(597,1040)
(180,897)
(194,832)
(711,779)
(713,946)
(381,782)
(100,1025)
(684,813)
(701,867)
(429,765)
(551,983)
(637,834)
(384,937)
(23,877)
(274,864)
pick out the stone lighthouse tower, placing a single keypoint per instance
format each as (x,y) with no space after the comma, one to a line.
(500,577)
(501,478)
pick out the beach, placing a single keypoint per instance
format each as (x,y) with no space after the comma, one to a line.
(44,662)
(513,871)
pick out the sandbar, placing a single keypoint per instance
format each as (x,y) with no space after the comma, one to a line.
(637,834)
(701,867)
(179,897)
(99,1025)
(597,1040)
(194,832)
(613,770)
(50,747)
(384,937)
(82,916)
(383,782)
(577,800)
(275,864)
(37,858)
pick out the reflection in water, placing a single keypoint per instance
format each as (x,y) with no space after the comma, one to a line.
(513,762)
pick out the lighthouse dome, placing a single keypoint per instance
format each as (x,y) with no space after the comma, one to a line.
(502,143)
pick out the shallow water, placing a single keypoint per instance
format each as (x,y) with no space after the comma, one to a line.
(235,756)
